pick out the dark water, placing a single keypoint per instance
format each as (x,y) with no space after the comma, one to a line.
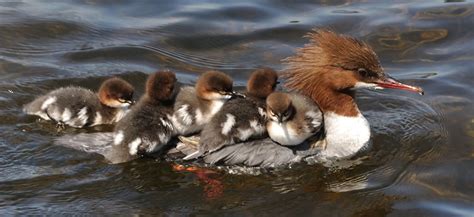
(422,158)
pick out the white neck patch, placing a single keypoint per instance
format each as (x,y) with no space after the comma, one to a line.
(345,135)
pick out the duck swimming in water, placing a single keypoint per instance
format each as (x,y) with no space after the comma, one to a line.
(80,107)
(147,128)
(328,70)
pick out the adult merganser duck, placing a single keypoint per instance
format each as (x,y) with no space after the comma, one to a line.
(239,119)
(80,107)
(329,69)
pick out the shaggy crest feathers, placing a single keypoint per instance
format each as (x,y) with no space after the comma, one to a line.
(327,67)
(327,51)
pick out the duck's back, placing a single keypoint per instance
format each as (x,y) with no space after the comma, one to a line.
(73,106)
(238,120)
(146,128)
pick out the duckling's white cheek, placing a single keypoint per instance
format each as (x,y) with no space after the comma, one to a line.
(116,104)
(217,96)
(123,105)
(213,96)
(226,96)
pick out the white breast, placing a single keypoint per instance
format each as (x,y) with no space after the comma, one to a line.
(284,134)
(345,136)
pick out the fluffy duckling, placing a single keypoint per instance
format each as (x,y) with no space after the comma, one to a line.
(239,119)
(80,107)
(292,118)
(147,127)
(195,106)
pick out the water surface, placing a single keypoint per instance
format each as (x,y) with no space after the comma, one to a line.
(420,162)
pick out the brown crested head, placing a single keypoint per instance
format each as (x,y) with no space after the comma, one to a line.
(279,106)
(160,86)
(262,82)
(116,92)
(336,61)
(213,85)
(331,66)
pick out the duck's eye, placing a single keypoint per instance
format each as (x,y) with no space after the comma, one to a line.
(366,73)
(363,72)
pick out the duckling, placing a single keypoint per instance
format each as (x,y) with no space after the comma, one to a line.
(292,118)
(147,128)
(80,107)
(240,119)
(195,106)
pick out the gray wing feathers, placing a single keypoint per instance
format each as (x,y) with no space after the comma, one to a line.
(263,153)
